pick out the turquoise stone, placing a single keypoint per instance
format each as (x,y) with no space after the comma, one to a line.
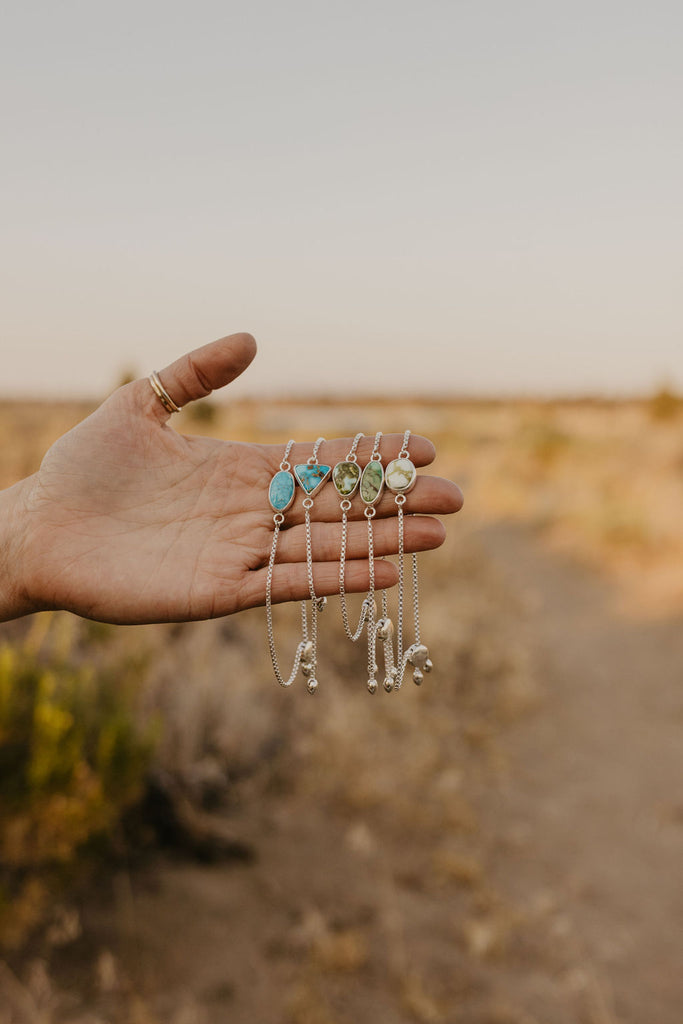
(400,476)
(311,477)
(281,491)
(372,483)
(346,477)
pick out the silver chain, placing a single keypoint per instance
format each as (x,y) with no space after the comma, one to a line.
(370,513)
(401,586)
(345,507)
(317,604)
(416,599)
(278,520)
(402,657)
(372,666)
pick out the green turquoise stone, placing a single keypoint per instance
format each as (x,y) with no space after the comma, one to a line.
(281,491)
(372,483)
(345,477)
(311,477)
(400,476)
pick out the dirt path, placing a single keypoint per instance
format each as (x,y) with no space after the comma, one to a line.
(595,804)
(557,898)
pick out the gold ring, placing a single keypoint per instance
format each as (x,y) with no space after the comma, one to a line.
(162,394)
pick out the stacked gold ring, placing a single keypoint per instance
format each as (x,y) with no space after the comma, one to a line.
(162,394)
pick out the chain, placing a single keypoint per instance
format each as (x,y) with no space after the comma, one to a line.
(400,501)
(345,507)
(403,454)
(278,520)
(372,666)
(317,604)
(416,600)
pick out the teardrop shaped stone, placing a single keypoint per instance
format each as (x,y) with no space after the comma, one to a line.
(281,491)
(400,476)
(345,477)
(372,483)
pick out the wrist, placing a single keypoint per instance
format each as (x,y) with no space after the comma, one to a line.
(15,599)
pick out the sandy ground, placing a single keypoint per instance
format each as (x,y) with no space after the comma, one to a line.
(551,895)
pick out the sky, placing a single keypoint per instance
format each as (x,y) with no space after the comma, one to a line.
(471,196)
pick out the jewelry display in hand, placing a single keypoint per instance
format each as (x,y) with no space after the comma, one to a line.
(399,478)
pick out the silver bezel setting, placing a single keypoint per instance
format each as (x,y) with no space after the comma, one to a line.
(291,500)
(347,462)
(370,504)
(400,490)
(309,465)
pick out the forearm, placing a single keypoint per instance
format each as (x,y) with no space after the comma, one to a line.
(15,599)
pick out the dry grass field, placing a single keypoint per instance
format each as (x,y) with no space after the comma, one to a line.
(476,851)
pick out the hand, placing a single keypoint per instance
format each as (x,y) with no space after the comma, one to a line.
(128,521)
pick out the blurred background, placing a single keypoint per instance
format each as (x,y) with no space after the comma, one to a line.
(462,218)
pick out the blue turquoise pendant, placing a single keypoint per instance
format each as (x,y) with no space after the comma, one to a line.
(281,491)
(311,477)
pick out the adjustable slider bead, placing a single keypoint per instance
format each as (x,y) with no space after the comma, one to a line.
(368,607)
(418,655)
(385,629)
(307,652)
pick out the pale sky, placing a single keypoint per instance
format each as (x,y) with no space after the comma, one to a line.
(476,196)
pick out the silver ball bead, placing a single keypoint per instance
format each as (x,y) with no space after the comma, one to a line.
(417,677)
(428,666)
(372,686)
(312,685)
(388,684)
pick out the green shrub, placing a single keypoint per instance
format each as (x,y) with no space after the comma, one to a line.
(72,761)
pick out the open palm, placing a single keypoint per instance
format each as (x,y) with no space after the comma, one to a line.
(128,521)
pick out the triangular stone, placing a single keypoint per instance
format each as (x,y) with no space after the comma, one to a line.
(311,477)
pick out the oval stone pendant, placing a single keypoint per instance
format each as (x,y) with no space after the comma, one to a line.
(281,491)
(400,476)
(372,483)
(346,477)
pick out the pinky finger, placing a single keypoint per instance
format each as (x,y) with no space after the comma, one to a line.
(290,580)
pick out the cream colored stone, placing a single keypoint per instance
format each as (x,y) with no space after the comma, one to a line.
(400,476)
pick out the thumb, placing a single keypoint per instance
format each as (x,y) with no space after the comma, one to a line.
(202,371)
